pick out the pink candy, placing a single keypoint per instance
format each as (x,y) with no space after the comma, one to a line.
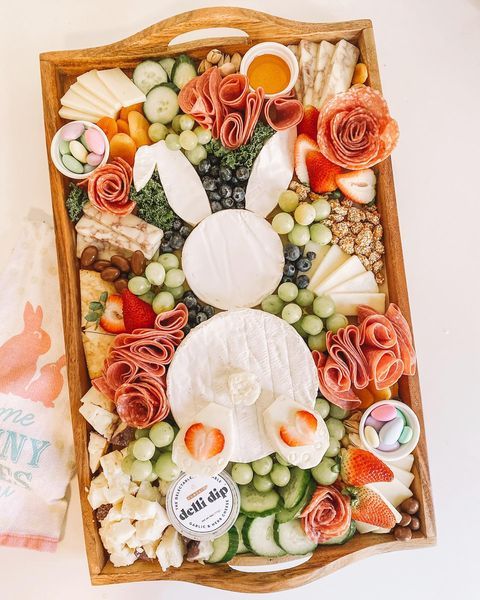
(95,142)
(377,425)
(72,131)
(385,412)
(94,159)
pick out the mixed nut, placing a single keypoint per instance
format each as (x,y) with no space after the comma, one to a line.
(226,64)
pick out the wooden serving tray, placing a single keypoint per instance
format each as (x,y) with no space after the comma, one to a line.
(58,70)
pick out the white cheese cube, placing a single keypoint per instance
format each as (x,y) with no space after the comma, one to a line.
(123,557)
(133,542)
(138,508)
(102,421)
(150,549)
(93,396)
(97,445)
(114,514)
(112,467)
(148,492)
(171,549)
(96,495)
(151,530)
(163,486)
(116,534)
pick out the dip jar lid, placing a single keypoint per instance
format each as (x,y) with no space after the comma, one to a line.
(203,508)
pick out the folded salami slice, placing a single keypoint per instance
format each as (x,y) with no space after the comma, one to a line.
(385,367)
(142,402)
(405,339)
(345,347)
(283,112)
(233,91)
(375,329)
(334,382)
(232,132)
(253,109)
(171,323)
(327,515)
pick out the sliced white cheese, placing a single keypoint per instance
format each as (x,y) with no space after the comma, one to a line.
(108,109)
(320,250)
(394,491)
(95,397)
(101,420)
(72,100)
(69,114)
(404,477)
(339,74)
(308,56)
(182,185)
(271,173)
(350,268)
(143,167)
(334,258)
(93,84)
(364,282)
(405,463)
(97,446)
(347,304)
(324,56)
(121,86)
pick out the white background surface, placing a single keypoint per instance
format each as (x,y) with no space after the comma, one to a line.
(429,55)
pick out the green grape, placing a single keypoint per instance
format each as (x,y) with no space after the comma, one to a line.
(176,124)
(141,469)
(152,477)
(168,261)
(242,473)
(336,322)
(131,445)
(288,200)
(299,329)
(287,291)
(323,306)
(162,434)
(326,472)
(174,278)
(262,483)
(304,214)
(335,427)
(188,140)
(157,132)
(139,433)
(148,297)
(320,234)
(196,155)
(155,273)
(338,413)
(280,475)
(263,466)
(322,406)
(299,235)
(272,304)
(127,463)
(143,449)
(186,122)
(305,297)
(281,461)
(333,448)
(203,135)
(312,325)
(322,209)
(156,455)
(283,223)
(291,313)
(139,285)
(162,302)
(165,468)
(177,292)
(318,342)
(172,141)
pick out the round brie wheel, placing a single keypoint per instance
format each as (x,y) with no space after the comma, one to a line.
(246,340)
(233,259)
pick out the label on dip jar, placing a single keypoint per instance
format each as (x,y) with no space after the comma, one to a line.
(203,508)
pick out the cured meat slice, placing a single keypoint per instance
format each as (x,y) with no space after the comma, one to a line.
(253,109)
(385,367)
(192,101)
(355,129)
(405,339)
(233,91)
(345,347)
(334,382)
(100,384)
(171,323)
(375,329)
(109,187)
(232,132)
(327,515)
(142,402)
(283,112)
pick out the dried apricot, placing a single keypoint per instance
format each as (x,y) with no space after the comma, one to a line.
(138,126)
(122,145)
(124,112)
(108,126)
(123,126)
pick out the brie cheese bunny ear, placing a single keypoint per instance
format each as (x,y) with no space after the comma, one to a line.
(271,173)
(144,165)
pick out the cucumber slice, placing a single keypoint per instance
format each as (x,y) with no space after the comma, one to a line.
(341,539)
(225,547)
(183,70)
(148,74)
(259,533)
(161,104)
(167,64)
(239,523)
(258,504)
(245,528)
(287,514)
(292,538)
(293,492)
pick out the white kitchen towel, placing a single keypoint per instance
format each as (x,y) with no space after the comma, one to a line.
(36,449)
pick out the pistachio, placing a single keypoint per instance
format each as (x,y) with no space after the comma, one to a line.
(236,60)
(227,69)
(214,56)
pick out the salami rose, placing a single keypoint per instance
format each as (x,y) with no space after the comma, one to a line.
(327,515)
(142,402)
(109,187)
(355,129)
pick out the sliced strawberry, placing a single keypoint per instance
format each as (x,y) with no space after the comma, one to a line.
(322,173)
(303,145)
(359,467)
(359,186)
(203,442)
(137,314)
(308,125)
(112,317)
(368,507)
(302,431)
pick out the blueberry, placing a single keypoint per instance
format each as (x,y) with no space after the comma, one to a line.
(303,264)
(289,269)
(227,203)
(242,173)
(225,173)
(164,247)
(214,171)
(214,160)
(187,329)
(238,194)
(216,206)
(233,180)
(204,166)
(287,279)
(190,302)
(302,282)
(292,252)
(209,183)
(189,294)
(177,241)
(240,205)
(209,311)
(192,317)
(176,224)
(167,235)
(212,196)
(311,255)
(185,231)
(201,316)
(225,191)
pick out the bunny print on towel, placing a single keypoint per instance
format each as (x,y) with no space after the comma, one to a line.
(18,362)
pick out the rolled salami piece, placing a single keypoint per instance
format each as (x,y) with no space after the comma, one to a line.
(283,112)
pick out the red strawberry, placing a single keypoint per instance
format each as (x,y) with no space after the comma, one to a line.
(112,317)
(308,125)
(137,314)
(302,432)
(322,173)
(303,145)
(359,467)
(369,507)
(359,186)
(203,442)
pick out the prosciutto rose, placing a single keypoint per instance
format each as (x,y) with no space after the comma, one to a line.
(327,515)
(109,188)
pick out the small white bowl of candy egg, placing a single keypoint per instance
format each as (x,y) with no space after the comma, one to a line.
(78,148)
(389,429)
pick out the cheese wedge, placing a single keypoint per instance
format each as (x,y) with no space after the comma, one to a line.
(320,252)
(394,491)
(404,463)
(404,477)
(324,57)
(364,282)
(123,88)
(338,77)
(72,100)
(93,84)
(107,108)
(350,268)
(70,114)
(347,304)
(308,56)
(334,258)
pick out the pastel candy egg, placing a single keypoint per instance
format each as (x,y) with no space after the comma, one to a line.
(371,436)
(400,414)
(94,159)
(391,431)
(384,412)
(389,447)
(377,425)
(72,164)
(88,168)
(64,147)
(78,151)
(72,131)
(406,435)
(95,142)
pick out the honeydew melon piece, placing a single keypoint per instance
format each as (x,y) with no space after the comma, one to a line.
(347,304)
(334,258)
(349,269)
(364,282)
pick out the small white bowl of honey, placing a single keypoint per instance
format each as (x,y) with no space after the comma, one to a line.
(272,66)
